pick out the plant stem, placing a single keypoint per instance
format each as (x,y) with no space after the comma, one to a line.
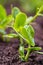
(21,50)
(27,55)
(21,40)
(37,14)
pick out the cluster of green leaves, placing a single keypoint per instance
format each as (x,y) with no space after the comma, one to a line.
(4,19)
(24,31)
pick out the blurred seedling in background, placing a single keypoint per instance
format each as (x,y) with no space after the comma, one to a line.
(5,20)
(20,23)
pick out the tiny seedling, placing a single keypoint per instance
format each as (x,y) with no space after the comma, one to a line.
(24,31)
(5,20)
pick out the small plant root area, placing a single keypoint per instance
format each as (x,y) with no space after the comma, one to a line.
(9,54)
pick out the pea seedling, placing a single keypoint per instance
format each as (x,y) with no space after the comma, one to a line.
(24,31)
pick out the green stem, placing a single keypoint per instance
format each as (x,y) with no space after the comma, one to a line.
(21,50)
(37,14)
(21,40)
(27,55)
(40,10)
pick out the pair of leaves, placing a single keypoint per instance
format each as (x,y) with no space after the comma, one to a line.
(26,32)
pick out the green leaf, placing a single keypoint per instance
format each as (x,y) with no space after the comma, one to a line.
(26,35)
(11,35)
(15,11)
(29,20)
(31,30)
(39,52)
(2,13)
(35,48)
(6,21)
(20,20)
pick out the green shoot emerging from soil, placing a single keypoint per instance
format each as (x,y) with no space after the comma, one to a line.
(24,31)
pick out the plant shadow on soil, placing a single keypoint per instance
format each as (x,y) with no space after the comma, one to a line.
(9,51)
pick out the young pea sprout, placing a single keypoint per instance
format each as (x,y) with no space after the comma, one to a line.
(24,31)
